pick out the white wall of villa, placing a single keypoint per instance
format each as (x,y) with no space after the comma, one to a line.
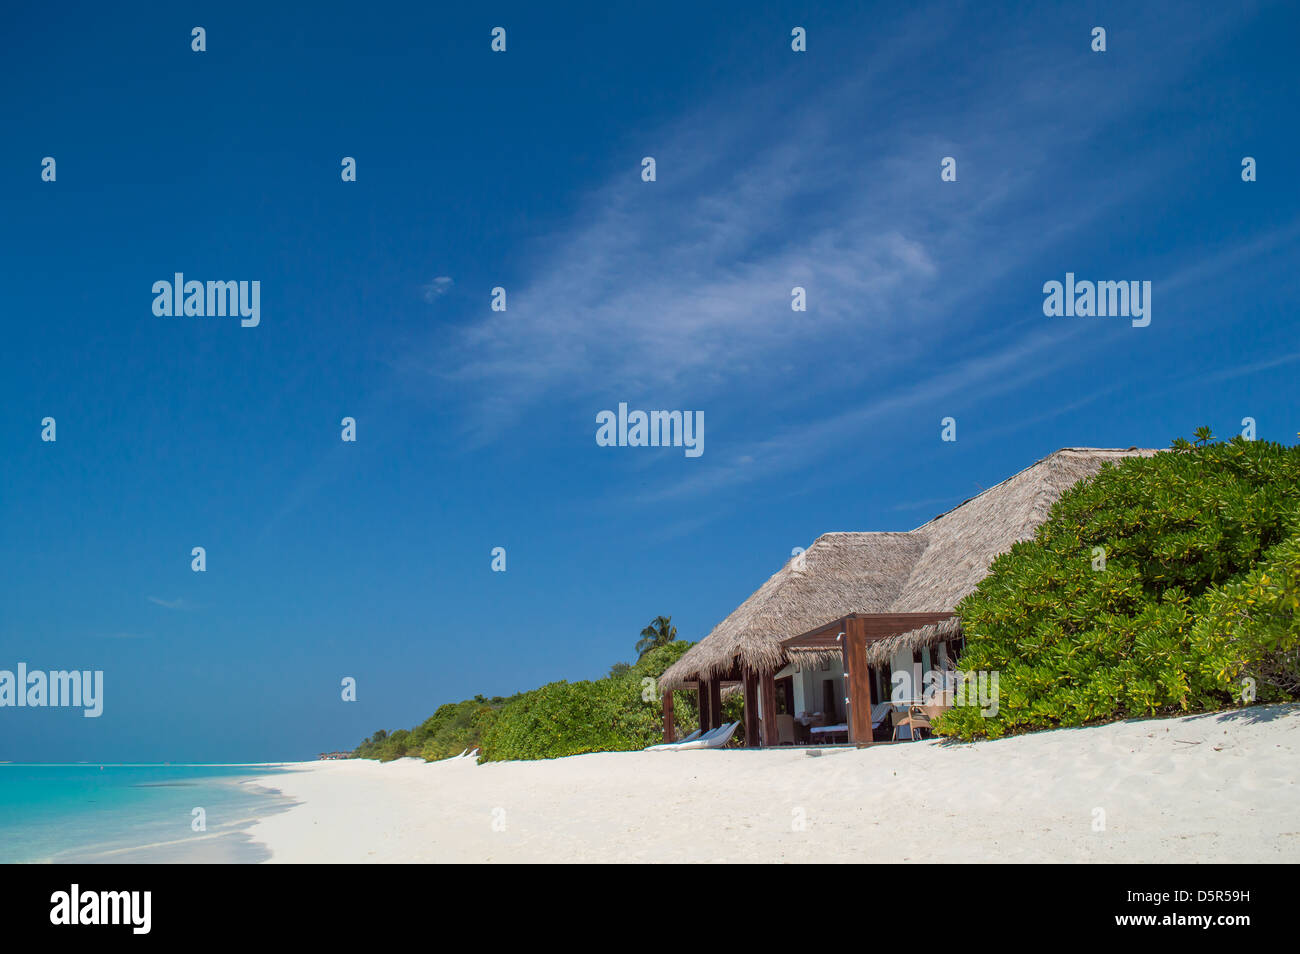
(810,692)
(903,671)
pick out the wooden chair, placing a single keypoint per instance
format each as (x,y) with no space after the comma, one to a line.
(933,712)
(919,718)
(913,718)
(785,730)
(902,719)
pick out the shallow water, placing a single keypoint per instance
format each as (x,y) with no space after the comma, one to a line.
(132,813)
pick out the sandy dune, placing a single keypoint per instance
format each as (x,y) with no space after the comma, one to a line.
(1220,787)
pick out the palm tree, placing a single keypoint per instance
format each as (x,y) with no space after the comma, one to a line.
(659,633)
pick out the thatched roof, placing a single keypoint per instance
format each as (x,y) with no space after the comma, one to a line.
(882,650)
(815,658)
(840,573)
(963,542)
(929,569)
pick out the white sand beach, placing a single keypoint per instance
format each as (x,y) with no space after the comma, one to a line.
(1219,787)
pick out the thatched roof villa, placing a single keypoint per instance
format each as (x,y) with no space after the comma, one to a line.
(824,632)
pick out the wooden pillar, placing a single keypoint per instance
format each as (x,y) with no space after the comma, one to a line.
(857,681)
(670,728)
(715,702)
(751,710)
(767,689)
(703,693)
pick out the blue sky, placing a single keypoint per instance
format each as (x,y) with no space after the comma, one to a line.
(476,428)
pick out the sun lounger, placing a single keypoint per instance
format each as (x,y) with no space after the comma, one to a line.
(879,713)
(697,734)
(723,737)
(713,739)
(826,731)
(710,740)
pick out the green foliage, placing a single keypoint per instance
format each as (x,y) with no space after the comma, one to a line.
(617,714)
(455,727)
(1251,626)
(1074,644)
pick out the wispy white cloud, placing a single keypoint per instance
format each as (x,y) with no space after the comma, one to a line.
(1256,367)
(677,293)
(989,375)
(684,284)
(177,604)
(1233,257)
(435,289)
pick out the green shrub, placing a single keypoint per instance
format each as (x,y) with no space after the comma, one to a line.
(561,718)
(617,714)
(452,729)
(1251,627)
(1075,645)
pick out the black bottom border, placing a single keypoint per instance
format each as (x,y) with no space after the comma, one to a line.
(908,902)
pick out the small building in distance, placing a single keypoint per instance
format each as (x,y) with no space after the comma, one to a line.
(818,643)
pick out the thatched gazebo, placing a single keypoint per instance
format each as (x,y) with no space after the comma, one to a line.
(858,599)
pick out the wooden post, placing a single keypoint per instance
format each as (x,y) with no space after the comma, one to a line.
(703,692)
(751,710)
(767,689)
(670,728)
(857,680)
(715,702)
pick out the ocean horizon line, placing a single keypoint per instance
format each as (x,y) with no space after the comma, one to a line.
(156,764)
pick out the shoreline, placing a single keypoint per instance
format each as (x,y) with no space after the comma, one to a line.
(228,843)
(1210,787)
(158,829)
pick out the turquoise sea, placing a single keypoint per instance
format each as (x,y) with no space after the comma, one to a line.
(132,813)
